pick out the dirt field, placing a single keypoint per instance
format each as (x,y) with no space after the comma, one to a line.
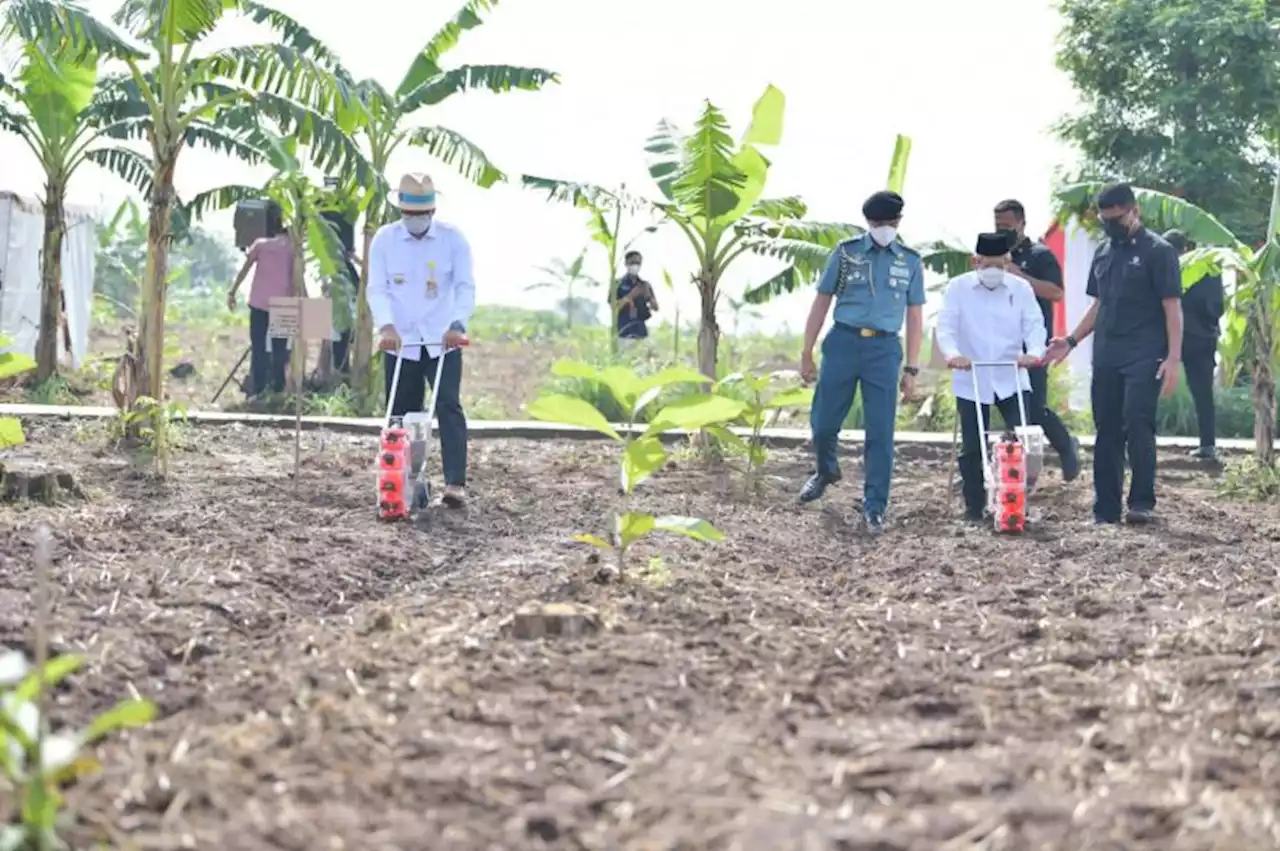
(326,682)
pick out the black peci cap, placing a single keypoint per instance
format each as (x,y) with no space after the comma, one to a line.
(992,245)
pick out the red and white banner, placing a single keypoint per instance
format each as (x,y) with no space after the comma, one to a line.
(1074,248)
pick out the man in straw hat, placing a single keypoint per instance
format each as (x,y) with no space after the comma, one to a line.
(421,288)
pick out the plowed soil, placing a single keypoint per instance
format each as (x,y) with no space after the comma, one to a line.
(329,682)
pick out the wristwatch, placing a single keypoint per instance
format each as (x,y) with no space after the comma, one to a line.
(913,371)
(1072,342)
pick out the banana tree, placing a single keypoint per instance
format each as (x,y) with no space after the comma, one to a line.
(607,212)
(174,98)
(382,122)
(46,111)
(713,192)
(1254,307)
(64,23)
(564,276)
(808,257)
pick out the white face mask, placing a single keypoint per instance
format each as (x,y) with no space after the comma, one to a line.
(991,277)
(633,269)
(884,234)
(417,225)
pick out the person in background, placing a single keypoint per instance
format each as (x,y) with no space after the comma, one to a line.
(1136,287)
(989,314)
(635,301)
(1034,263)
(271,259)
(1203,304)
(341,347)
(875,282)
(421,287)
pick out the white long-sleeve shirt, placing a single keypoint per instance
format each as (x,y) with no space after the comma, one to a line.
(420,286)
(990,325)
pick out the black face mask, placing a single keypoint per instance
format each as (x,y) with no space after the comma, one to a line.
(1011,235)
(1116,229)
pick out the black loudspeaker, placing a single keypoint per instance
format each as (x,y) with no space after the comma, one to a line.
(251,221)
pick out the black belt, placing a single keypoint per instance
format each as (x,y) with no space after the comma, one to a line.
(867,332)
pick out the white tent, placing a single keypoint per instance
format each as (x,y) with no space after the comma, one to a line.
(21,241)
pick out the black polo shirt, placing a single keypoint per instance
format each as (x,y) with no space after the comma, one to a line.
(1037,261)
(1131,279)
(1202,306)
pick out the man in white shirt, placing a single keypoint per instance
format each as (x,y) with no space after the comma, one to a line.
(421,287)
(988,315)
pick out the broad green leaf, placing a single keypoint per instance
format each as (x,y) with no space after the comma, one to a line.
(558,408)
(1212,261)
(766,119)
(56,88)
(125,714)
(753,383)
(707,184)
(593,540)
(645,399)
(565,368)
(671,376)
(727,438)
(56,670)
(1160,212)
(1273,221)
(11,433)
(623,383)
(640,460)
(632,526)
(696,412)
(755,170)
(663,150)
(690,527)
(898,165)
(15,363)
(795,397)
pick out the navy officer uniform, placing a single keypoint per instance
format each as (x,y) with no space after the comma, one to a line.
(875,281)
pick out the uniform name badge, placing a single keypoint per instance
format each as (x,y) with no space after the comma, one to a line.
(432,286)
(397,279)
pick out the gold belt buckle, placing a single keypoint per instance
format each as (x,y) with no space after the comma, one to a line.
(866,332)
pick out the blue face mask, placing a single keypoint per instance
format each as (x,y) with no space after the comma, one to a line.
(417,225)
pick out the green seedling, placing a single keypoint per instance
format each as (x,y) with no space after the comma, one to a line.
(152,424)
(36,765)
(641,453)
(12,364)
(767,396)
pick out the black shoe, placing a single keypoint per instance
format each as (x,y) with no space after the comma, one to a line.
(1071,462)
(874,522)
(816,486)
(1104,521)
(979,516)
(1204,453)
(1140,516)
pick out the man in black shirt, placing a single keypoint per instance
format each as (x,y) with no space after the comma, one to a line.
(1136,286)
(636,302)
(1034,263)
(1203,304)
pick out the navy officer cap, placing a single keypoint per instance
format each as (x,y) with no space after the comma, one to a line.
(1116,195)
(992,245)
(882,206)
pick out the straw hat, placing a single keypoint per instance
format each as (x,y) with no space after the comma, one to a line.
(417,194)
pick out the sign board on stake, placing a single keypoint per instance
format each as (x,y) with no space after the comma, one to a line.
(307,319)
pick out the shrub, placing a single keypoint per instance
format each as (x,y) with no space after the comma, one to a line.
(767,396)
(641,453)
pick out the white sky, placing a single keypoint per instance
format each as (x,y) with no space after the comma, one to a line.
(973,83)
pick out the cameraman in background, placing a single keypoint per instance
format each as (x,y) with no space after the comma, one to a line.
(635,301)
(1203,304)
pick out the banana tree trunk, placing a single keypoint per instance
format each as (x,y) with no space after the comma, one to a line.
(361,345)
(708,331)
(1264,383)
(150,362)
(51,281)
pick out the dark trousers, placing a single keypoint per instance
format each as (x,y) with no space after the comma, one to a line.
(1039,412)
(411,396)
(1124,400)
(1198,364)
(266,366)
(970,459)
(850,362)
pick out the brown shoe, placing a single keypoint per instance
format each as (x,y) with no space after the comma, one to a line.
(454,496)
